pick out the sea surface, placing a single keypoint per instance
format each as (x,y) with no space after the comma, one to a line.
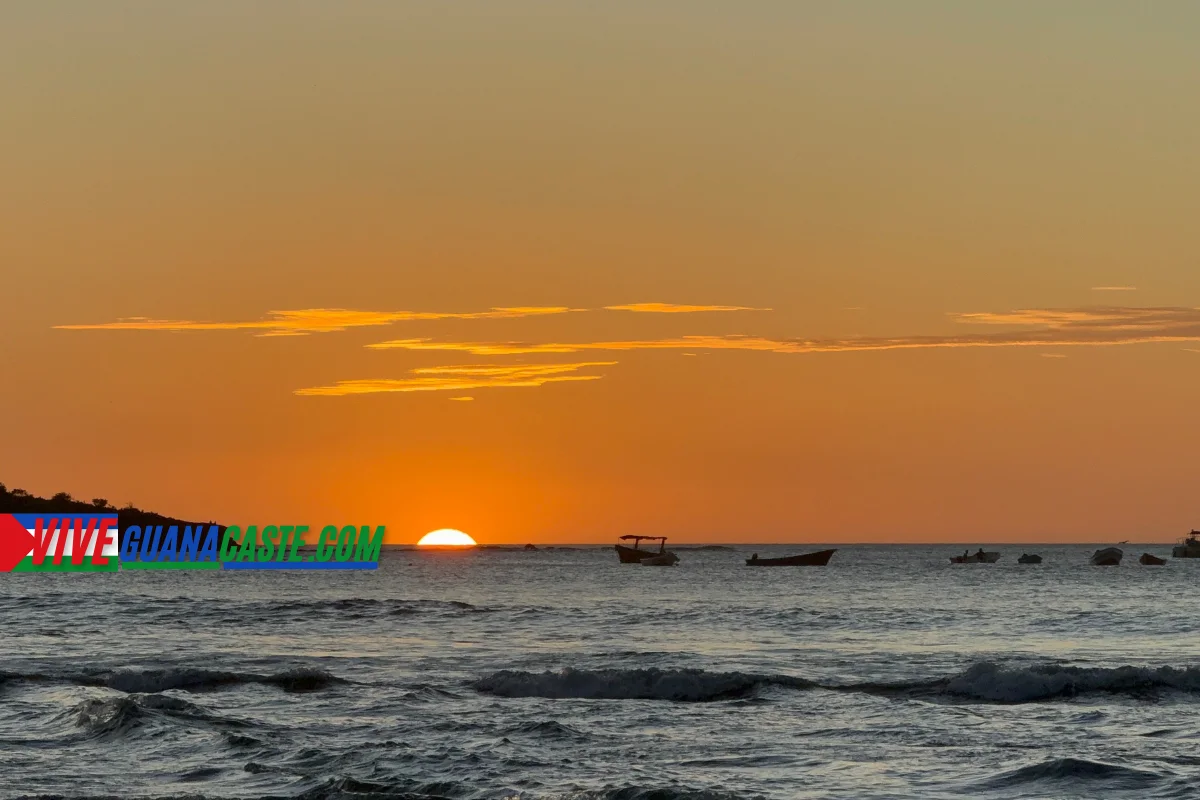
(499,673)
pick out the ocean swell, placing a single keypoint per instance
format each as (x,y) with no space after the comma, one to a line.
(999,684)
(685,685)
(297,679)
(983,682)
(113,717)
(1075,771)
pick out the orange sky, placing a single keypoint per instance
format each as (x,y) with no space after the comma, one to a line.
(727,272)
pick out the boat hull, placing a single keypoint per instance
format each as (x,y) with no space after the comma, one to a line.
(1151,561)
(817,559)
(1108,557)
(976,558)
(631,555)
(667,559)
(1029,560)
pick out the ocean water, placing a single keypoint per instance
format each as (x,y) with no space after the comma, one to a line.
(500,673)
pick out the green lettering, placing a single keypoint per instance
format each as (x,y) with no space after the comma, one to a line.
(270,538)
(232,534)
(368,546)
(297,543)
(345,543)
(249,541)
(324,551)
(285,535)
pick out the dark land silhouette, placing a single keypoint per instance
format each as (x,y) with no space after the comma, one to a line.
(19,501)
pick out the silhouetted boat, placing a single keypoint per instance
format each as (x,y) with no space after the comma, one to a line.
(1151,561)
(531,547)
(667,559)
(1027,558)
(1107,557)
(1188,547)
(979,557)
(634,555)
(818,559)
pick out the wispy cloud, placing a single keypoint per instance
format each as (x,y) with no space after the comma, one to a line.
(313,320)
(549,348)
(462,399)
(1053,355)
(463,378)
(1096,327)
(1114,288)
(672,308)
(304,321)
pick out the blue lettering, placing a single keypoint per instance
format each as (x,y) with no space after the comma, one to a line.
(131,537)
(209,551)
(189,546)
(149,550)
(170,544)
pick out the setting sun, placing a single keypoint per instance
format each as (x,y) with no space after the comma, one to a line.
(446,537)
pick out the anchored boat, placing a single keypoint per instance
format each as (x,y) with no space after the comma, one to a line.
(817,559)
(1029,558)
(980,557)
(1107,557)
(1188,547)
(1151,561)
(636,555)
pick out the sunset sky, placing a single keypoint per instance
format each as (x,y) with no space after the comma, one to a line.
(560,271)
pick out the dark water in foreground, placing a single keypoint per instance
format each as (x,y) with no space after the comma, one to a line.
(496,673)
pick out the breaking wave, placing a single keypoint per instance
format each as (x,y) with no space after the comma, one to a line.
(983,682)
(191,679)
(1074,771)
(685,685)
(999,684)
(116,716)
(549,729)
(297,679)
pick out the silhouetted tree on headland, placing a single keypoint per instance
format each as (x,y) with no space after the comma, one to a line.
(19,501)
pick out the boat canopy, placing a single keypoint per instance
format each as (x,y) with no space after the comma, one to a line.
(652,538)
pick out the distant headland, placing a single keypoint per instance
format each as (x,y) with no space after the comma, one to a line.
(19,501)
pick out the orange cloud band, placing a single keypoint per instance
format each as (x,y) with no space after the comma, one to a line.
(314,320)
(1103,326)
(672,308)
(462,378)
(325,320)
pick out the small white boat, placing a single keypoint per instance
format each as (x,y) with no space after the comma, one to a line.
(1107,557)
(664,559)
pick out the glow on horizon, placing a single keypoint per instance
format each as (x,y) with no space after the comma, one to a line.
(446,537)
